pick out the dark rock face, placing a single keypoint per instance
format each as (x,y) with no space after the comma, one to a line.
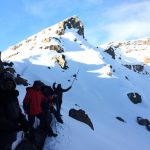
(72,22)
(136,68)
(111,52)
(135,98)
(80,115)
(142,121)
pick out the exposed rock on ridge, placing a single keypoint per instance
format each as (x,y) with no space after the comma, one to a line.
(72,22)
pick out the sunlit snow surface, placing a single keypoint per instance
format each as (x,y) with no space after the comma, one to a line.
(101,95)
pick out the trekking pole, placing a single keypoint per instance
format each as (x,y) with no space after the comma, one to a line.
(75,77)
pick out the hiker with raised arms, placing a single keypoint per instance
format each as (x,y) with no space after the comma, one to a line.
(59,92)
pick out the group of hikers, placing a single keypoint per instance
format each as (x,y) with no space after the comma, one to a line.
(40,101)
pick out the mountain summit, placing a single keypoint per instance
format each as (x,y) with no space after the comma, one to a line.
(105,89)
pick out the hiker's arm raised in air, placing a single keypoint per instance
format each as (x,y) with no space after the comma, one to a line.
(65,90)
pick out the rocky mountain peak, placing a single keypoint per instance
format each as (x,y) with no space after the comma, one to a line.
(71,22)
(49,39)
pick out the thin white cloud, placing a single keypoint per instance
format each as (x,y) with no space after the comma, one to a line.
(127,30)
(129,20)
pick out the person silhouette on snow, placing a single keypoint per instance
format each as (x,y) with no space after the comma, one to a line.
(12,119)
(59,92)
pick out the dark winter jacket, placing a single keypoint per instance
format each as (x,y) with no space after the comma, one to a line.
(59,91)
(9,110)
(33,100)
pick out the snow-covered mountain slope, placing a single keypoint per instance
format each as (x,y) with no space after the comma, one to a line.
(138,50)
(134,54)
(101,88)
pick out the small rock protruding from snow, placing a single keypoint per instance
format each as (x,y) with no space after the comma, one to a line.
(144,122)
(135,98)
(120,119)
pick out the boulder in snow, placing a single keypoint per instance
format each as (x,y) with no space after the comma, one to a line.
(135,98)
(80,115)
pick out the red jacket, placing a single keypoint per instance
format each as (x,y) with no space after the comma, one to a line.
(34,98)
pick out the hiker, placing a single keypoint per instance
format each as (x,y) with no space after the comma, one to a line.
(32,107)
(48,105)
(12,119)
(59,92)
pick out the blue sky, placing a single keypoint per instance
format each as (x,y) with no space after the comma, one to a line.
(104,20)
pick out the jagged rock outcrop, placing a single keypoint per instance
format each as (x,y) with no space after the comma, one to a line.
(17,46)
(133,54)
(145,41)
(135,98)
(111,52)
(136,68)
(57,48)
(61,61)
(80,115)
(72,22)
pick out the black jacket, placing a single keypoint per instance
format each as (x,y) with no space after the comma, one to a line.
(59,91)
(9,110)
